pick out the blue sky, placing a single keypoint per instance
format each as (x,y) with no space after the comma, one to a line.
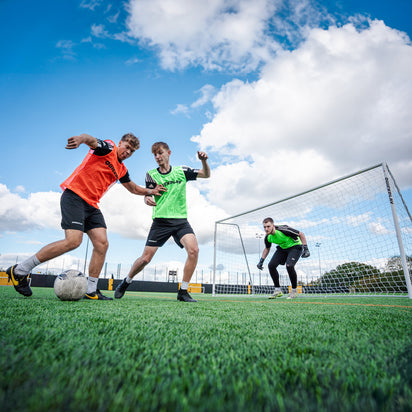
(283,95)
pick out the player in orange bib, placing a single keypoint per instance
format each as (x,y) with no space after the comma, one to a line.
(101,168)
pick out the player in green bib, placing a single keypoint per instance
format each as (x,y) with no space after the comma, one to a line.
(291,246)
(169,216)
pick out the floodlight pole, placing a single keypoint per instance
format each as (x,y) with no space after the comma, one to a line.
(398,231)
(317,244)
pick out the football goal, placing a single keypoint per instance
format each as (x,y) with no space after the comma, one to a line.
(359,234)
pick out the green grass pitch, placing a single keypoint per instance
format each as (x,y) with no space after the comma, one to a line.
(148,352)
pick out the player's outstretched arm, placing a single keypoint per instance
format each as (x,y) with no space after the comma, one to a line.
(132,187)
(303,238)
(305,252)
(262,259)
(75,141)
(204,172)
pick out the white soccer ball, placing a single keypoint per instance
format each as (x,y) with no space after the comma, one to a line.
(70,285)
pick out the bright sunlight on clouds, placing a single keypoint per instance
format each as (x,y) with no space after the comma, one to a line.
(340,101)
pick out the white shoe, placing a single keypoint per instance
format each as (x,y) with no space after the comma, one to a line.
(293,294)
(276,294)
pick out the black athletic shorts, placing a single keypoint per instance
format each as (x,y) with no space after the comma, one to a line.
(289,256)
(162,229)
(78,214)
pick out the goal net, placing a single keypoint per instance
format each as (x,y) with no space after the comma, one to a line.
(359,234)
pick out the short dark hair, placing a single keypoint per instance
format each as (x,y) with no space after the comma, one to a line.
(268,219)
(156,146)
(132,140)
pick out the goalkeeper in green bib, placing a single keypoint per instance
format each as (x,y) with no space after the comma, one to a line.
(291,246)
(169,216)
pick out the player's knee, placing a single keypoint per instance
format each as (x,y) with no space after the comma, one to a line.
(193,252)
(73,243)
(102,246)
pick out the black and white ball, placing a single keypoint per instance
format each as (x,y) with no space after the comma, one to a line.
(70,285)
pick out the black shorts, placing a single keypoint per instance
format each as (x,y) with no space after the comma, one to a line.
(289,256)
(162,229)
(78,214)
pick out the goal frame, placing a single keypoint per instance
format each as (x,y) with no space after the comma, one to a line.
(390,190)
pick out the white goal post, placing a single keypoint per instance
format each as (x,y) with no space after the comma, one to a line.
(359,233)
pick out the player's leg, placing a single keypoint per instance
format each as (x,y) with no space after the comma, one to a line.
(278,258)
(72,240)
(189,242)
(98,237)
(294,254)
(73,211)
(157,236)
(18,273)
(138,266)
(142,261)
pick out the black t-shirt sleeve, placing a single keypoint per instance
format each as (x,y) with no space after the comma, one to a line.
(190,174)
(150,182)
(267,243)
(125,178)
(103,148)
(288,231)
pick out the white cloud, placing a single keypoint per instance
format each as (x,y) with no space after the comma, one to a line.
(125,214)
(338,103)
(65,44)
(180,109)
(87,40)
(358,220)
(66,47)
(133,60)
(99,31)
(214,34)
(206,94)
(113,18)
(202,214)
(90,4)
(221,34)
(39,210)
(378,228)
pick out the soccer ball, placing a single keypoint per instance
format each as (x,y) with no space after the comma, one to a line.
(70,285)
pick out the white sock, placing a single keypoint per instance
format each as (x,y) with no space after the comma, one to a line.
(26,266)
(277,290)
(91,284)
(128,280)
(184,285)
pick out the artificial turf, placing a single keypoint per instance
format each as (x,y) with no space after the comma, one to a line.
(148,352)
